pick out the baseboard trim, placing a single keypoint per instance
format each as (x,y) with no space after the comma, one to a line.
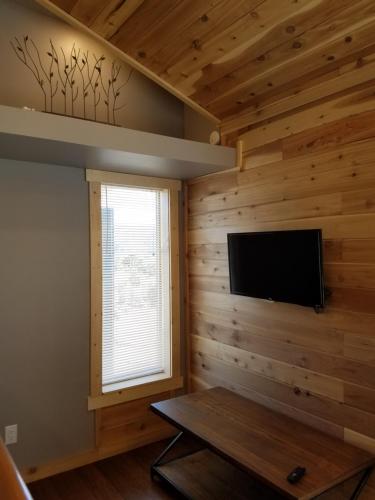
(34,473)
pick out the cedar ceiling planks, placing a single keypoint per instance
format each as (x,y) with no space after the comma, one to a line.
(113,16)
(230,56)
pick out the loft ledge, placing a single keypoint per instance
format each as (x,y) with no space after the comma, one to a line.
(55,139)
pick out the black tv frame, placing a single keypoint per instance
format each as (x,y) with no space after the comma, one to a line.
(324,292)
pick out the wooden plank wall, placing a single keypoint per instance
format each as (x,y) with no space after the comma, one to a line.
(312,168)
(130,425)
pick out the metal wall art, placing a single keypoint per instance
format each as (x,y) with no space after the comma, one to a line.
(85,84)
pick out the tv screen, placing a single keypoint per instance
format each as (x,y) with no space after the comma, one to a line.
(284,266)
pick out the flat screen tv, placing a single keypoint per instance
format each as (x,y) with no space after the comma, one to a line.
(283,266)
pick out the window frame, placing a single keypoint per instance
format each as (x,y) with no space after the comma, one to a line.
(97,399)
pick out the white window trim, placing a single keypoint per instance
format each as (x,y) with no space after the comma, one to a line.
(97,398)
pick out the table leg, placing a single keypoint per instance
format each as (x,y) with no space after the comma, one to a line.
(361,484)
(164,453)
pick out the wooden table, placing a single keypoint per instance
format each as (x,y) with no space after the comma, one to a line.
(248,451)
(12,486)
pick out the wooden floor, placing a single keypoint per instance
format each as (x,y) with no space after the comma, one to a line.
(125,476)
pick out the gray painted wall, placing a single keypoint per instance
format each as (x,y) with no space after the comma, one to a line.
(148,106)
(197,127)
(44,310)
(44,260)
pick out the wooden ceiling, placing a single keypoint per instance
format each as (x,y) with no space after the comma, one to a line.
(229,56)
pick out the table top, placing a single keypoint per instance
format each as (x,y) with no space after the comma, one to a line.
(265,443)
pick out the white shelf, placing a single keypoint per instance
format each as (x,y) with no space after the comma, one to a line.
(46,138)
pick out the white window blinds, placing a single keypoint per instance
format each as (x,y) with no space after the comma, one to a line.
(136,286)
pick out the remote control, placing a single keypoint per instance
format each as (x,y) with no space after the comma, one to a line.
(296,475)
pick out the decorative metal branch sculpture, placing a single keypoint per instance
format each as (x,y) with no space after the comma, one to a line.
(98,69)
(30,57)
(70,72)
(86,85)
(23,55)
(67,81)
(48,73)
(112,93)
(116,91)
(106,89)
(61,71)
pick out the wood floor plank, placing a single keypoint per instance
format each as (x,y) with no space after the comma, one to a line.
(70,486)
(44,490)
(125,476)
(101,485)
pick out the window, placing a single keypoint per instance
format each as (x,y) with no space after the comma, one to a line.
(135,308)
(136,292)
